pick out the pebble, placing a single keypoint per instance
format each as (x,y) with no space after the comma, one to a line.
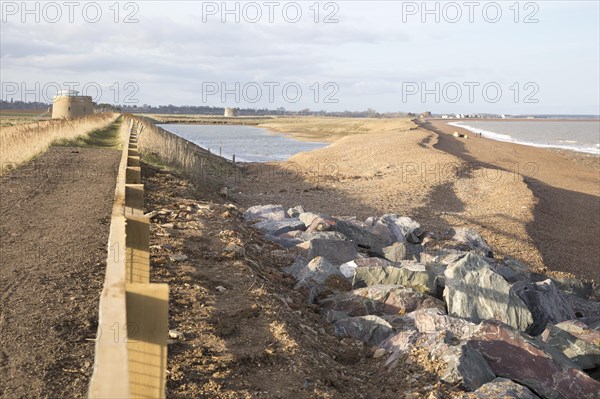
(178,257)
(379,353)
(174,334)
(220,288)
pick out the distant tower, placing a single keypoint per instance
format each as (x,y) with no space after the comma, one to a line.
(230,112)
(68,104)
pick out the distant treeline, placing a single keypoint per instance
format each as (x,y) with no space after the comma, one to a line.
(20,105)
(206,110)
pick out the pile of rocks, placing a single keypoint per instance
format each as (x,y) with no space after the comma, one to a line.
(497,327)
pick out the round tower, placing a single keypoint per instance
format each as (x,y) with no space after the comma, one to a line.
(68,104)
(230,112)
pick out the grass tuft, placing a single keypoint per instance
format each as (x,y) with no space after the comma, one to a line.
(107,137)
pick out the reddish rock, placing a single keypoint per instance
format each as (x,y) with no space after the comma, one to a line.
(381,300)
(512,356)
(501,388)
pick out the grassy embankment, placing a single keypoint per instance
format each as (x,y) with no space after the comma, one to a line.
(21,143)
(12,117)
(105,137)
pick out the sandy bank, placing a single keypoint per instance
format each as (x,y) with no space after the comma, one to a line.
(400,169)
(566,186)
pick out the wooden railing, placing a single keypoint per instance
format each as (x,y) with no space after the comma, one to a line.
(131,342)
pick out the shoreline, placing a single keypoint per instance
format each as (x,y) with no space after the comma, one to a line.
(489,134)
(566,187)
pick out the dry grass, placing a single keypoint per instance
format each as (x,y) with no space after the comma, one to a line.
(12,117)
(331,129)
(20,143)
(109,136)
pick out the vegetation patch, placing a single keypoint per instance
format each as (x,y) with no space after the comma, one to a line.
(107,137)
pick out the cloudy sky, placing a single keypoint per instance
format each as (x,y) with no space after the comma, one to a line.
(459,57)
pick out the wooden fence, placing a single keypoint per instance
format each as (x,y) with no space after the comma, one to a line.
(199,165)
(131,342)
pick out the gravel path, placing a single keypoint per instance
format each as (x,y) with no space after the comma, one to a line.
(54,224)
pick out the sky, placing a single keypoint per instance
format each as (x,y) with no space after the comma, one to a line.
(503,57)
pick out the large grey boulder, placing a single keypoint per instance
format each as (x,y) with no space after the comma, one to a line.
(286,240)
(437,271)
(574,286)
(316,273)
(512,270)
(400,251)
(409,274)
(264,212)
(348,269)
(381,300)
(584,307)
(466,366)
(381,229)
(435,321)
(335,251)
(308,217)
(324,235)
(577,341)
(501,388)
(359,234)
(475,292)
(545,302)
(393,228)
(370,329)
(547,372)
(472,240)
(278,227)
(297,267)
(442,256)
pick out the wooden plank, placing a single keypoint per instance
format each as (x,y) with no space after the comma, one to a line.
(133,161)
(137,242)
(134,199)
(147,327)
(110,378)
(133,175)
(133,152)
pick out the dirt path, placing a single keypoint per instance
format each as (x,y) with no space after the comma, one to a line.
(54,222)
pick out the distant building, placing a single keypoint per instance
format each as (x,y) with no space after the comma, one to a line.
(230,112)
(68,104)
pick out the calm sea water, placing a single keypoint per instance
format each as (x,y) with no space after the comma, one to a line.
(582,136)
(248,143)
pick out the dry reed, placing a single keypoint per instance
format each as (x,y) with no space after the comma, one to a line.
(20,143)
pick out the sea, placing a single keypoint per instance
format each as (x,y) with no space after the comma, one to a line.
(248,143)
(575,135)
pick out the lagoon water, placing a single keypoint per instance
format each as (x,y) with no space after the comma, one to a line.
(248,143)
(581,136)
